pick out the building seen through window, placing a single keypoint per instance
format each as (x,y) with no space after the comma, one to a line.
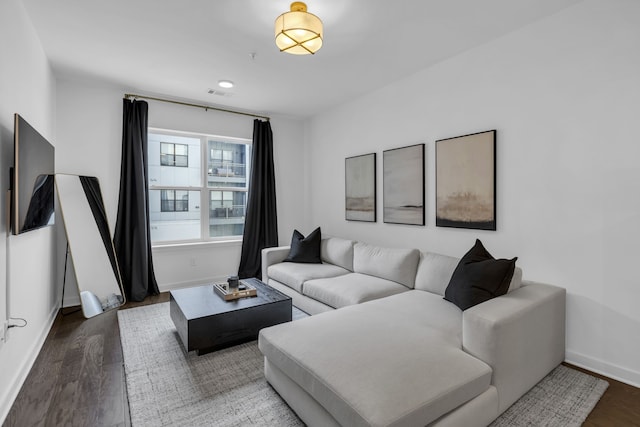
(197,186)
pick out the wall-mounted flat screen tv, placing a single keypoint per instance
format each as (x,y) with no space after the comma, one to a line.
(32,179)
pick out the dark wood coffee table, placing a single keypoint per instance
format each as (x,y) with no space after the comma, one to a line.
(205,322)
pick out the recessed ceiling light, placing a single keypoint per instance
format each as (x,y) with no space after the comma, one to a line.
(227,84)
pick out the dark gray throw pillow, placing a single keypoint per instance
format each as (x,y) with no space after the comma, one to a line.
(479,277)
(305,249)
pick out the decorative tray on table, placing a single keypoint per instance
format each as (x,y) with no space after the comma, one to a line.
(242,291)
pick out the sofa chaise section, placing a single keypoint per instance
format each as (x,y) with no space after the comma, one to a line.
(359,362)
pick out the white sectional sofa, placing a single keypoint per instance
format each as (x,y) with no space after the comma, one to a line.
(387,350)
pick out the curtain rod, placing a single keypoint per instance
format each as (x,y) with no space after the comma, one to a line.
(206,107)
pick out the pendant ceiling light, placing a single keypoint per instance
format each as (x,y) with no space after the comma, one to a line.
(298,32)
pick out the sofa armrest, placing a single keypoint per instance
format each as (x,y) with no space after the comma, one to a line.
(272,256)
(521,335)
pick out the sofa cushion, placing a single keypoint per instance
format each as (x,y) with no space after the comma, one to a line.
(295,274)
(337,251)
(434,272)
(398,265)
(516,280)
(305,249)
(369,365)
(349,289)
(479,277)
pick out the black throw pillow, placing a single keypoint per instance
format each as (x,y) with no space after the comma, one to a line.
(305,249)
(479,277)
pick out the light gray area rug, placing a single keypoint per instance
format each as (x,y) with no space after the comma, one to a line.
(169,387)
(565,397)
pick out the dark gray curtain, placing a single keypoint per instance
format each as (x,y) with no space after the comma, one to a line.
(132,239)
(261,222)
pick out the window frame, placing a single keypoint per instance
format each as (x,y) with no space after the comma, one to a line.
(204,189)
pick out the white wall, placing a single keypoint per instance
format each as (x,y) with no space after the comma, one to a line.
(89,129)
(27,262)
(563,95)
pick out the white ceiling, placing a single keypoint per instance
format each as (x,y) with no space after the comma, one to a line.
(181,48)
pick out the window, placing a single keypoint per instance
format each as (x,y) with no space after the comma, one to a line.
(174,201)
(174,154)
(203,199)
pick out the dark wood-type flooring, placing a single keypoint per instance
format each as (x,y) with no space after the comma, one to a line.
(78,380)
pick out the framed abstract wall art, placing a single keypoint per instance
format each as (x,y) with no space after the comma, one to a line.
(403,185)
(360,188)
(466,181)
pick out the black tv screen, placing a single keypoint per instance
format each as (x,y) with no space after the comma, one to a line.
(32,179)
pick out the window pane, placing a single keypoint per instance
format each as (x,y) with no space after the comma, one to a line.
(166,159)
(181,218)
(166,148)
(182,161)
(168,206)
(182,205)
(227,166)
(181,149)
(170,169)
(227,212)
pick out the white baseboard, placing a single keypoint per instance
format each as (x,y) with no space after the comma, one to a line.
(601,367)
(165,287)
(27,364)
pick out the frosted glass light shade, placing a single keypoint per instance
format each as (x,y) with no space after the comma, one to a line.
(298,32)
